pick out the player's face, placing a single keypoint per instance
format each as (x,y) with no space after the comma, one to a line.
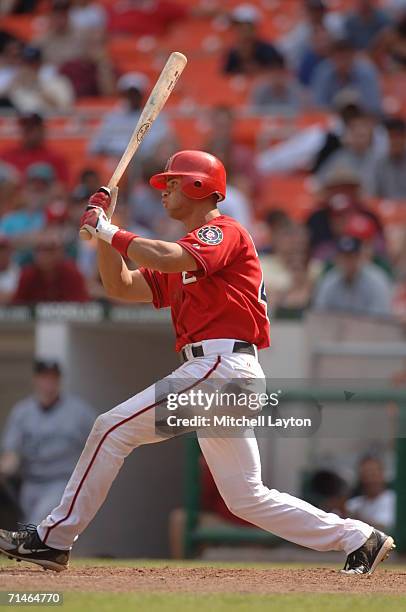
(174,201)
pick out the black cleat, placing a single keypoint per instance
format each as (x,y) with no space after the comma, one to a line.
(25,545)
(365,559)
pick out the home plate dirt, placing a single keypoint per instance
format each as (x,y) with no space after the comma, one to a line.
(201,580)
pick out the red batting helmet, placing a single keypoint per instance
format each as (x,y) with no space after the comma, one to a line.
(202,174)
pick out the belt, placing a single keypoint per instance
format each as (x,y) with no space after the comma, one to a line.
(239,347)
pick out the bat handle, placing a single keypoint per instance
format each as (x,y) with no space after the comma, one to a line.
(83,233)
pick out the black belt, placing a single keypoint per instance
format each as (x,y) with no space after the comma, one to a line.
(239,347)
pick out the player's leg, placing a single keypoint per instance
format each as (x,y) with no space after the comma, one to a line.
(114,435)
(236,468)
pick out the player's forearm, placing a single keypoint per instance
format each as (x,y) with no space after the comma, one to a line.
(154,254)
(114,273)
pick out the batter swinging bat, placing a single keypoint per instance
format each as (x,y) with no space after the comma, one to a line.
(159,95)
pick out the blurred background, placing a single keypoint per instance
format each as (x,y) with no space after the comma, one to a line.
(305,103)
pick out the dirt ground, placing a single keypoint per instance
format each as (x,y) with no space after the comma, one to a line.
(201,580)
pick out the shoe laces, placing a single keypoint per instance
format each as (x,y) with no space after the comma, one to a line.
(26,531)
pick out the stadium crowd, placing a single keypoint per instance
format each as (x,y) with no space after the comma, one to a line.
(303,100)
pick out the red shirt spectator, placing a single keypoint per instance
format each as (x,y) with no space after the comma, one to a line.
(33,149)
(51,278)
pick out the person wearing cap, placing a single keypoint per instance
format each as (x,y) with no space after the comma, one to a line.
(42,440)
(388,178)
(52,277)
(37,88)
(33,148)
(117,126)
(278,92)
(354,286)
(340,198)
(344,70)
(249,53)
(9,271)
(356,150)
(298,40)
(60,43)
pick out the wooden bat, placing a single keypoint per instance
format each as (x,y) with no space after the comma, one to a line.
(158,96)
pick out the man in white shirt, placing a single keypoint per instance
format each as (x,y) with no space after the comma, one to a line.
(376,502)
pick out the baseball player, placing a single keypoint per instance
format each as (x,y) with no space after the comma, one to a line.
(212,281)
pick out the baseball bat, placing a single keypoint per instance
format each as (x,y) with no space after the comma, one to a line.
(158,96)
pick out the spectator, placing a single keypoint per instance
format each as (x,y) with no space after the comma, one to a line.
(279,92)
(37,88)
(145,212)
(375,500)
(40,185)
(51,277)
(388,178)
(364,23)
(345,71)
(356,151)
(250,54)
(23,224)
(91,74)
(9,271)
(18,6)
(33,148)
(86,15)
(237,157)
(316,18)
(60,43)
(10,61)
(354,286)
(389,50)
(340,199)
(9,188)
(118,125)
(313,54)
(289,275)
(42,440)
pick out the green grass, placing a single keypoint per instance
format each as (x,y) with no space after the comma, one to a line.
(126,602)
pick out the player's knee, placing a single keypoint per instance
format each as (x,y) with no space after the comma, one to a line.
(244,504)
(101,424)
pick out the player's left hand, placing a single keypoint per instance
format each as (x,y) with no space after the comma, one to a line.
(95,221)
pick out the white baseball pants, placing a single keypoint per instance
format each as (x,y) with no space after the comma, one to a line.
(234,462)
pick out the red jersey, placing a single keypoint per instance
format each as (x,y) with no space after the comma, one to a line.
(225,296)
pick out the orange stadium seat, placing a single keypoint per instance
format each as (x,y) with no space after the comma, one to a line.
(189,132)
(291,193)
(22,26)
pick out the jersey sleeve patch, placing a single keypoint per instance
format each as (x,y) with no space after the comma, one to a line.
(210,234)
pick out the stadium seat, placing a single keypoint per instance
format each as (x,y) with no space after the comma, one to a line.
(291,193)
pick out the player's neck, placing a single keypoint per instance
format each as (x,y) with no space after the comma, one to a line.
(199,217)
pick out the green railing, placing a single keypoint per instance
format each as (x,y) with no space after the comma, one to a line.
(195,535)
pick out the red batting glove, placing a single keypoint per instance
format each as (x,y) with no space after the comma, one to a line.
(90,217)
(100,199)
